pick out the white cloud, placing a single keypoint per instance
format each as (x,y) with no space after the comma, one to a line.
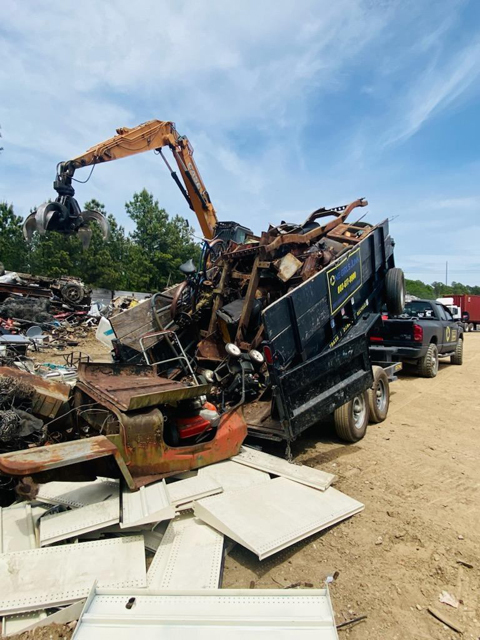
(436,88)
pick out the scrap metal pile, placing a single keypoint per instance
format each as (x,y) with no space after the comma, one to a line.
(188,374)
(217,311)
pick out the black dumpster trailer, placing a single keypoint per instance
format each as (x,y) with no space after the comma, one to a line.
(317,345)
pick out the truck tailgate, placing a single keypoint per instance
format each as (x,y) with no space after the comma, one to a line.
(394,331)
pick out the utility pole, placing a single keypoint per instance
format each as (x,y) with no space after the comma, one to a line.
(446,273)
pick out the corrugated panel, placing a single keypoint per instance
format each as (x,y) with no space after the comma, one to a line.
(233,476)
(58,575)
(224,614)
(148,504)
(77,494)
(278,467)
(269,517)
(17,531)
(68,524)
(21,622)
(182,492)
(189,557)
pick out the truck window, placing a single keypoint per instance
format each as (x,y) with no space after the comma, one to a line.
(443,313)
(419,309)
(450,312)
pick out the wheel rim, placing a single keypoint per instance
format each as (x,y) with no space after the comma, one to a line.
(359,410)
(381,396)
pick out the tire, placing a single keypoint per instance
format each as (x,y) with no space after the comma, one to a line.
(73,293)
(428,365)
(457,357)
(395,291)
(379,396)
(351,419)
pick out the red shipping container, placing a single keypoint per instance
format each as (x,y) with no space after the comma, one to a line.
(469,304)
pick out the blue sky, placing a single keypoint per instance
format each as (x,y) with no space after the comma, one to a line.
(289,106)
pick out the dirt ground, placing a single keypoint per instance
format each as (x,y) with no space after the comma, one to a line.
(418,476)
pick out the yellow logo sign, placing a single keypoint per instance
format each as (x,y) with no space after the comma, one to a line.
(447,334)
(332,280)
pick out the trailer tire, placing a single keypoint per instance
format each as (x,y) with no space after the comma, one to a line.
(457,357)
(379,396)
(351,419)
(395,291)
(428,365)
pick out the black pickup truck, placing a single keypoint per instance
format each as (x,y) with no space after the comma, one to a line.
(425,332)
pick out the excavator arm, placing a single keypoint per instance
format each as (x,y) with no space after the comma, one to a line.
(65,216)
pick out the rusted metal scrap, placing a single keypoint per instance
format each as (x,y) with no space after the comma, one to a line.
(187,410)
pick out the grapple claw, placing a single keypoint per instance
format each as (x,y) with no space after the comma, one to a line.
(89,215)
(56,216)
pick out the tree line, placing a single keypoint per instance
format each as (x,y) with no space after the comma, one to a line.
(438,289)
(146,259)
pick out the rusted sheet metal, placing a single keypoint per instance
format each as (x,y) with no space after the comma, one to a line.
(49,396)
(132,387)
(341,214)
(25,290)
(211,348)
(139,450)
(53,456)
(153,457)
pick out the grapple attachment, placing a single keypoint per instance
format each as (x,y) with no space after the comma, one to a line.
(67,218)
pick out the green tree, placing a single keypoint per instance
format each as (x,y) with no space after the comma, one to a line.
(458,287)
(105,262)
(55,255)
(13,250)
(419,289)
(160,244)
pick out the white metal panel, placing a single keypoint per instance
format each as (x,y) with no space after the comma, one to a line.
(148,504)
(274,515)
(233,476)
(17,531)
(77,494)
(58,575)
(152,539)
(278,467)
(34,619)
(189,557)
(183,492)
(68,524)
(275,614)
(20,622)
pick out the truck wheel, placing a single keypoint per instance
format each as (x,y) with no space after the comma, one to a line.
(351,419)
(457,357)
(379,396)
(395,291)
(428,365)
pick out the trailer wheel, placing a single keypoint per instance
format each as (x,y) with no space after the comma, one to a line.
(379,396)
(351,419)
(428,365)
(395,291)
(457,357)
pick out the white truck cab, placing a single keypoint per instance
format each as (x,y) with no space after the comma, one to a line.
(453,308)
